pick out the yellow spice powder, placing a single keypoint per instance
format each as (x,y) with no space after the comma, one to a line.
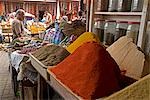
(85,37)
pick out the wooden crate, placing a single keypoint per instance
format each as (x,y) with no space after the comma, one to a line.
(63,90)
(139,90)
(135,91)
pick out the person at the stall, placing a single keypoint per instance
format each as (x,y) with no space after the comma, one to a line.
(64,20)
(47,18)
(17,24)
(3,18)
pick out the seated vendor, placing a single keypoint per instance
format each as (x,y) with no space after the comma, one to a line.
(17,24)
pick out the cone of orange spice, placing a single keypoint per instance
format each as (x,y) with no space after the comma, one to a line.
(89,72)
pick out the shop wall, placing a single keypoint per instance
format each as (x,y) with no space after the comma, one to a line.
(35,7)
(12,6)
(70,8)
(50,7)
(2,8)
(30,7)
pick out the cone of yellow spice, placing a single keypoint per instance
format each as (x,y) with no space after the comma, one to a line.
(85,37)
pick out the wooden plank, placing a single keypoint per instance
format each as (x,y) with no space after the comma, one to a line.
(42,85)
(39,88)
(120,13)
(143,25)
(138,90)
(122,18)
(7,33)
(91,15)
(28,93)
(39,66)
(63,90)
(87,15)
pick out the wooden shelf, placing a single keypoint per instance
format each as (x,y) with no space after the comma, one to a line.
(119,13)
(122,18)
(141,17)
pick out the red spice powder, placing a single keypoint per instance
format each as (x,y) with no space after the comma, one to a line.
(90,71)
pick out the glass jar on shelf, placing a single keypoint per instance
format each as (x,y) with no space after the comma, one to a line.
(113,5)
(124,5)
(102,5)
(133,30)
(109,31)
(137,5)
(121,29)
(99,29)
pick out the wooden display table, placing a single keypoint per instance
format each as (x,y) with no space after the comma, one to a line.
(9,35)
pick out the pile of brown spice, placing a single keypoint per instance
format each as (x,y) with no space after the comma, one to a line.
(75,28)
(51,55)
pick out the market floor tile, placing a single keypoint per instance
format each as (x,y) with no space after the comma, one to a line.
(6,91)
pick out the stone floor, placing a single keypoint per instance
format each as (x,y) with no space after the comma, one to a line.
(6,91)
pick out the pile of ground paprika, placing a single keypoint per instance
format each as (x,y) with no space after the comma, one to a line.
(89,71)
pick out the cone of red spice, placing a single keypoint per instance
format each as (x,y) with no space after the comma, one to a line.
(90,72)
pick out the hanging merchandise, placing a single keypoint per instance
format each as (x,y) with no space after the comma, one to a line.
(137,5)
(102,5)
(99,29)
(121,29)
(124,5)
(133,30)
(109,32)
(113,5)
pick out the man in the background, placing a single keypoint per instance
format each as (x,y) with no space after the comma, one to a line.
(17,24)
